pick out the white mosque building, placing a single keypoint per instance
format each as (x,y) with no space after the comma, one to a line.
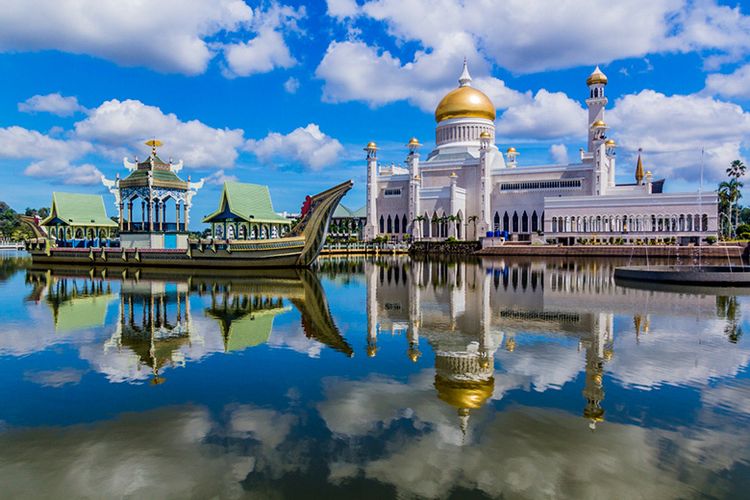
(467,189)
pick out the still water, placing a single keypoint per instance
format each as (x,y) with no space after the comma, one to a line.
(370,379)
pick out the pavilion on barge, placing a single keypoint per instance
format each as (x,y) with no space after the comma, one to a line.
(79,220)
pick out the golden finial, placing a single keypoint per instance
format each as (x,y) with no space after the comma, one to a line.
(639,169)
(154,143)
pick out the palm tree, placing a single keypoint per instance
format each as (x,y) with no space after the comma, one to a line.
(419,219)
(473,219)
(735,170)
(725,205)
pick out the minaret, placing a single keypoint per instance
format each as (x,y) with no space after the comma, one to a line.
(596,102)
(639,169)
(485,184)
(372,191)
(415,183)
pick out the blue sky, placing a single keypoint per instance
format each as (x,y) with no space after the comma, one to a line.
(287,93)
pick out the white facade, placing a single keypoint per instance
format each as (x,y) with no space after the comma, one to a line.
(466,188)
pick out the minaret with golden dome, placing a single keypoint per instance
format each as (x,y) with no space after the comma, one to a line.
(596,103)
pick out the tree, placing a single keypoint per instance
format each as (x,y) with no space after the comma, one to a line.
(735,170)
(473,220)
(417,223)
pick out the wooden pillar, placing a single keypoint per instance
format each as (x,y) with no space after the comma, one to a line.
(150,214)
(122,215)
(177,215)
(130,215)
(186,213)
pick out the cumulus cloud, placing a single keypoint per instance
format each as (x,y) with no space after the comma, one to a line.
(268,50)
(56,104)
(219,177)
(355,71)
(599,34)
(120,127)
(559,154)
(732,85)
(291,85)
(549,115)
(672,130)
(308,146)
(51,158)
(168,36)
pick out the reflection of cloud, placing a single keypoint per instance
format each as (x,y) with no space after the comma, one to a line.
(547,365)
(678,351)
(157,454)
(54,378)
(292,336)
(267,426)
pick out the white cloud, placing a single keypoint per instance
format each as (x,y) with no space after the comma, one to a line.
(308,146)
(268,50)
(732,85)
(291,85)
(168,36)
(51,103)
(219,177)
(355,71)
(559,154)
(341,9)
(672,130)
(530,36)
(51,158)
(120,127)
(548,116)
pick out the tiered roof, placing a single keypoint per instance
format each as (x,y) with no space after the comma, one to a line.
(247,202)
(73,209)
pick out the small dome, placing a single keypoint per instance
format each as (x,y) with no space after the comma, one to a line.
(413,142)
(610,143)
(599,124)
(371,145)
(597,77)
(485,135)
(511,150)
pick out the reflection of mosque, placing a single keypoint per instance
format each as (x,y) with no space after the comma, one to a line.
(77,302)
(154,324)
(467,311)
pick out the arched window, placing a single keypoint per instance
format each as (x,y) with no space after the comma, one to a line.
(534,222)
(397,225)
(524,222)
(382,224)
(389,225)
(705,222)
(497,222)
(554,224)
(506,222)
(515,222)
(404,225)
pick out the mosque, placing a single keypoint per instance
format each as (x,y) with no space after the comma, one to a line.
(467,189)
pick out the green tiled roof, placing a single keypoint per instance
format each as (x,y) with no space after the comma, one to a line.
(249,202)
(79,210)
(159,175)
(342,212)
(361,212)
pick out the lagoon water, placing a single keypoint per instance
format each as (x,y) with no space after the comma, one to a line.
(370,378)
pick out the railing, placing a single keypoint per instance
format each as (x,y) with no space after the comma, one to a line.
(366,247)
(8,244)
(141,227)
(87,243)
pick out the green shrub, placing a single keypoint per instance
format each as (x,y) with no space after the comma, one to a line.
(743,228)
(710,240)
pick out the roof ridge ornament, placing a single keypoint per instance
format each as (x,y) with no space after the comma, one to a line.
(465,79)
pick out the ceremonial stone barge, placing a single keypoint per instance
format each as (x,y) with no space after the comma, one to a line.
(245,231)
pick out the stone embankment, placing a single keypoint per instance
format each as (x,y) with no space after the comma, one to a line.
(712,251)
(444,248)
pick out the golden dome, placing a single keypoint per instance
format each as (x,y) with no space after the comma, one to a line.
(598,124)
(485,135)
(465,102)
(596,77)
(413,142)
(464,394)
(371,145)
(611,143)
(511,149)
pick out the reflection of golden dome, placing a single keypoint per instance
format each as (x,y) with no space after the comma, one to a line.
(594,413)
(510,345)
(608,354)
(372,350)
(465,102)
(598,379)
(469,394)
(596,77)
(414,355)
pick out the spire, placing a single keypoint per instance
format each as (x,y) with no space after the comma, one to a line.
(639,169)
(465,79)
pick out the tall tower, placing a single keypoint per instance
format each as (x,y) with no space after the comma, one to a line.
(372,191)
(596,103)
(415,182)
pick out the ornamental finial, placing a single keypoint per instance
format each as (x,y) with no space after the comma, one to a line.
(465,79)
(154,143)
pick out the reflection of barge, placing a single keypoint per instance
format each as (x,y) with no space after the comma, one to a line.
(715,276)
(298,248)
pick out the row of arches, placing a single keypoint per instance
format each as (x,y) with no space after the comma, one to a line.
(151,214)
(630,223)
(78,233)
(393,224)
(245,231)
(518,224)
